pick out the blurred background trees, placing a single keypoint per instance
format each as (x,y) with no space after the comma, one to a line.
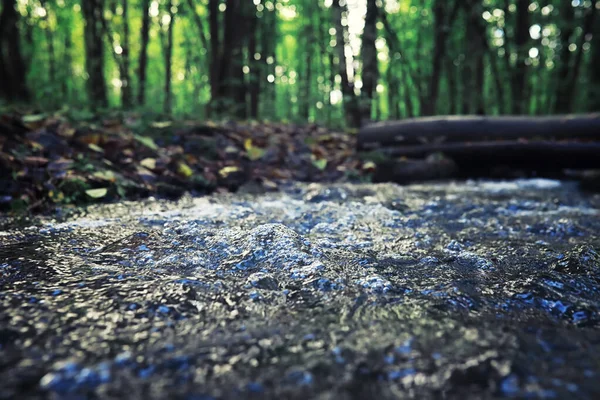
(338,62)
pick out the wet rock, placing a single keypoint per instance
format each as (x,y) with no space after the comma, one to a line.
(582,260)
(261,280)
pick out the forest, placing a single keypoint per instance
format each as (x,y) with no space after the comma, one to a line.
(335,62)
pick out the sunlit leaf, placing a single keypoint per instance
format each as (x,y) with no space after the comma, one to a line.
(96,148)
(224,172)
(320,163)
(56,196)
(369,165)
(184,170)
(97,193)
(28,119)
(149,163)
(256,153)
(146,141)
(161,124)
(105,175)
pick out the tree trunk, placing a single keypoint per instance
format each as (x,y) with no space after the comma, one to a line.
(254,84)
(588,27)
(443,22)
(476,53)
(430,130)
(567,28)
(370,72)
(94,49)
(519,74)
(594,71)
(168,104)
(143,65)
(305,80)
(50,42)
(351,110)
(13,70)
(126,94)
(214,51)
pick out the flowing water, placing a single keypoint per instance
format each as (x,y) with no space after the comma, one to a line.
(482,289)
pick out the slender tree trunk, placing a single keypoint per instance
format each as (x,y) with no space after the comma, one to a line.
(351,110)
(567,28)
(13,69)
(370,72)
(254,75)
(67,66)
(588,27)
(143,63)
(306,76)
(518,81)
(594,71)
(50,42)
(493,57)
(476,39)
(94,49)
(168,105)
(214,51)
(452,86)
(126,93)
(443,21)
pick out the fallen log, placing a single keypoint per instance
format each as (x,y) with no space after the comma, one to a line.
(476,128)
(518,154)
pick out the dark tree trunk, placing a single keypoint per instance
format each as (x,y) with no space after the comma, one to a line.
(518,81)
(94,49)
(438,130)
(67,62)
(13,69)
(143,66)
(567,28)
(231,89)
(254,75)
(370,73)
(50,42)
(588,27)
(126,94)
(215,50)
(351,110)
(594,71)
(453,89)
(306,76)
(168,53)
(238,89)
(443,21)
(476,37)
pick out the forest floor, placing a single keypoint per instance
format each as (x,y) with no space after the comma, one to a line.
(75,158)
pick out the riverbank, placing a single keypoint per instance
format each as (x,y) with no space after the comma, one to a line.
(68,158)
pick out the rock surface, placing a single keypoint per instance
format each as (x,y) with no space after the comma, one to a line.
(371,291)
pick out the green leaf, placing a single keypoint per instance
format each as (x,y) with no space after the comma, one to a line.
(321,164)
(96,148)
(33,118)
(146,141)
(97,193)
(255,153)
(105,175)
(184,170)
(148,163)
(161,124)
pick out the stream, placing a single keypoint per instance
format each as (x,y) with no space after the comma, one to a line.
(448,290)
